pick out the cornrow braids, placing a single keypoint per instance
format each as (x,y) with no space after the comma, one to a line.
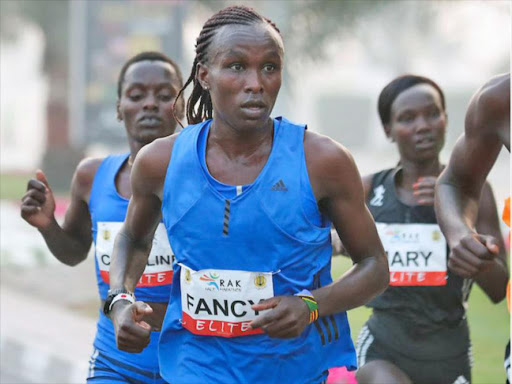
(199,104)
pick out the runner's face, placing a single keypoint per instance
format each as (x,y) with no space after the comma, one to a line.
(418,123)
(243,74)
(147,97)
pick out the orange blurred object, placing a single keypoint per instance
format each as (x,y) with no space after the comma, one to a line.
(506,219)
(506,212)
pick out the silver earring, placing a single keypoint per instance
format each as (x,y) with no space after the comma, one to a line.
(206,88)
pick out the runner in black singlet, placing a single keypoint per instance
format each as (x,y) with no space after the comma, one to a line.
(418,331)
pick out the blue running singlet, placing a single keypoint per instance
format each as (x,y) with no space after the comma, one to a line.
(231,253)
(108,212)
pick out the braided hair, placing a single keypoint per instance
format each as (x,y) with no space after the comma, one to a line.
(199,104)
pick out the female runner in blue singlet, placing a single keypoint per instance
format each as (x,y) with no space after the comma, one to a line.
(252,300)
(147,88)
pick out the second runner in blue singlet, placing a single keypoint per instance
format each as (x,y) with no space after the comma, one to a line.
(108,211)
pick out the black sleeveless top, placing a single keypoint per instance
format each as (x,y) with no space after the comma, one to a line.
(419,309)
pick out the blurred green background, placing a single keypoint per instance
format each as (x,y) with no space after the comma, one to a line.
(489,326)
(12,186)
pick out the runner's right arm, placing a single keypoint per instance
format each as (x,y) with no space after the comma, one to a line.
(459,186)
(491,275)
(339,190)
(70,242)
(133,243)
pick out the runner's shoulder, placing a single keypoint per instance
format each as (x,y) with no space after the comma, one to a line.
(326,153)
(153,159)
(331,167)
(496,90)
(489,106)
(85,172)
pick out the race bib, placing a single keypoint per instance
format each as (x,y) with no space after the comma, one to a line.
(416,254)
(218,302)
(159,266)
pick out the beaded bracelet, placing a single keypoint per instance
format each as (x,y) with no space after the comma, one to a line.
(310,302)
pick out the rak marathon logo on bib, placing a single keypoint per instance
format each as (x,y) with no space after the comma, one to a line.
(397,235)
(213,281)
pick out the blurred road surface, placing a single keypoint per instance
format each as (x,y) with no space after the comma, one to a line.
(47,310)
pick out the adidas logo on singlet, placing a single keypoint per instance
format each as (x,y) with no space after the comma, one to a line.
(279,187)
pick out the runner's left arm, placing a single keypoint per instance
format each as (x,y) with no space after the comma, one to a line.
(336,181)
(338,188)
(337,246)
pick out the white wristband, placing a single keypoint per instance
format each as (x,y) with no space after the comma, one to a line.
(122,296)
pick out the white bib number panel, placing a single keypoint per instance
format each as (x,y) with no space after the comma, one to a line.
(416,254)
(158,269)
(218,302)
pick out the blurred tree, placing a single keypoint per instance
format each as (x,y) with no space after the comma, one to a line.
(307,26)
(312,29)
(392,31)
(314,21)
(53,18)
(319,21)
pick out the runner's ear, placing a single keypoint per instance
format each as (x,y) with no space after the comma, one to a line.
(387,131)
(202,75)
(118,111)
